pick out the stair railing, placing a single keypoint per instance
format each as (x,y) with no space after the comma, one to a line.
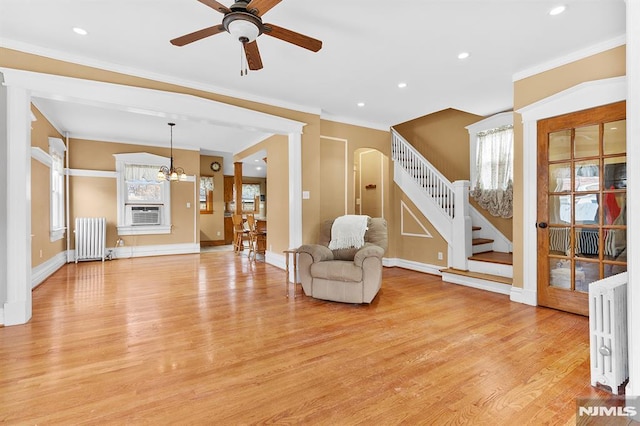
(424,173)
(451,198)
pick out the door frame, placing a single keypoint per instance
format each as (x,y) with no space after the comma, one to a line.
(580,97)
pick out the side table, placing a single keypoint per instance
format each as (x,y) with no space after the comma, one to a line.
(293,253)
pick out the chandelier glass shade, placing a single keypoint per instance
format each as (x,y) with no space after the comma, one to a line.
(171,173)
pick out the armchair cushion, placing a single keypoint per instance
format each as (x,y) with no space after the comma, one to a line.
(337,270)
(318,252)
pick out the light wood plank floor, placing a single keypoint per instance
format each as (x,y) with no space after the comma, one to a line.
(212,339)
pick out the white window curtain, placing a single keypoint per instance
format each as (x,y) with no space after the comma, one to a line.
(140,173)
(493,183)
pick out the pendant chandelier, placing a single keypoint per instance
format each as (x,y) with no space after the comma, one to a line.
(171,173)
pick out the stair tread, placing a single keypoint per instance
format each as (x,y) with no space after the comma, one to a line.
(488,277)
(478,241)
(493,257)
(476,228)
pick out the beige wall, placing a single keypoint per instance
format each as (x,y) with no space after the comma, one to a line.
(333,170)
(334,135)
(421,249)
(611,63)
(212,224)
(42,249)
(97,196)
(277,189)
(369,185)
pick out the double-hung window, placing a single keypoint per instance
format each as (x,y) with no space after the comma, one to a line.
(56,181)
(144,203)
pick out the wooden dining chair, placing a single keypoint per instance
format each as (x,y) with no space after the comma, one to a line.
(240,234)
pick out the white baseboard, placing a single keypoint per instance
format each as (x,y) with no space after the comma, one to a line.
(154,250)
(414,266)
(521,295)
(44,270)
(478,283)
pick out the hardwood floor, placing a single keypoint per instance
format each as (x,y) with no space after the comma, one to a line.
(212,339)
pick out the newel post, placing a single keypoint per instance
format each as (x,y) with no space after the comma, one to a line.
(461,233)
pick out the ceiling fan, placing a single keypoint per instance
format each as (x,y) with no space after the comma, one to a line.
(243,20)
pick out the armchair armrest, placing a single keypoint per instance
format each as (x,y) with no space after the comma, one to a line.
(318,252)
(368,251)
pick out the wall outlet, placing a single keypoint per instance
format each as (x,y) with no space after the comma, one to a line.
(188,205)
(440,255)
(218,234)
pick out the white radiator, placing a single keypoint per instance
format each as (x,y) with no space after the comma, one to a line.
(90,238)
(608,327)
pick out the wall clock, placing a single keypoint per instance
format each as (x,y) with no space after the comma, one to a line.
(215,166)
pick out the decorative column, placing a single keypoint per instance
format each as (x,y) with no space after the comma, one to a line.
(16,247)
(237,182)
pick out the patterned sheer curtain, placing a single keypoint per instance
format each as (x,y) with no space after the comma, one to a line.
(493,188)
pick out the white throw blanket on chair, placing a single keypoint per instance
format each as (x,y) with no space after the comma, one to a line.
(348,231)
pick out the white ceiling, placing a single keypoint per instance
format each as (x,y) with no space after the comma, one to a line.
(368,48)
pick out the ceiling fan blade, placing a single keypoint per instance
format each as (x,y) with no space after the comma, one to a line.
(197,35)
(213,4)
(293,37)
(261,6)
(253,55)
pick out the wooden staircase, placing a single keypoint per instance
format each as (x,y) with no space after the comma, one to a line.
(446,205)
(487,269)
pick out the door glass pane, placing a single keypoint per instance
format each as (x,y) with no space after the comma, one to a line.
(587,242)
(615,204)
(559,209)
(615,137)
(615,173)
(586,273)
(560,177)
(560,273)
(587,141)
(560,145)
(587,175)
(586,209)
(615,244)
(611,269)
(559,240)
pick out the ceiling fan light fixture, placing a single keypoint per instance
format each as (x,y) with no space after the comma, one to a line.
(243,30)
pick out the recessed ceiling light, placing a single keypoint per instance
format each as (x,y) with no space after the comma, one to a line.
(360,104)
(402,85)
(463,55)
(258,168)
(80,31)
(557,10)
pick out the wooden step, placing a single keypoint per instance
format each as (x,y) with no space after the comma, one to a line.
(478,241)
(493,257)
(478,275)
(475,228)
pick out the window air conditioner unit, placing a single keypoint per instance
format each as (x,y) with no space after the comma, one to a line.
(145,215)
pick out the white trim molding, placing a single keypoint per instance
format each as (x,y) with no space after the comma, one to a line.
(128,252)
(633,195)
(403,208)
(46,269)
(583,96)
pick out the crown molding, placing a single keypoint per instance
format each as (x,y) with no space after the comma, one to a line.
(571,57)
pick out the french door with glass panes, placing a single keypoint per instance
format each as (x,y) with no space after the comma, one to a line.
(582,198)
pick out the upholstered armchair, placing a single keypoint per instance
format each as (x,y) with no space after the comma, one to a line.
(352,275)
